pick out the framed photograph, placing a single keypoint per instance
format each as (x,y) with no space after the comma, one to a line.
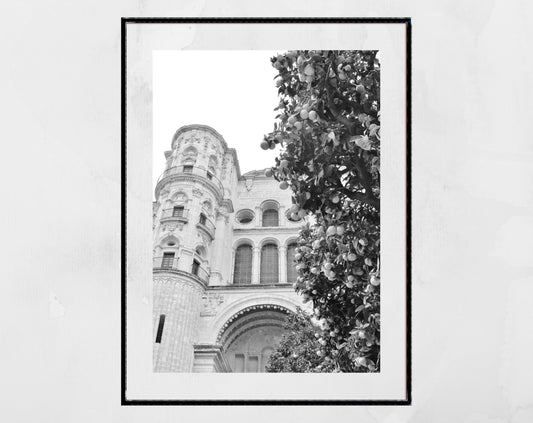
(266,211)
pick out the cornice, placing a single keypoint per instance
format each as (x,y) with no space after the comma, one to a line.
(252,287)
(188,177)
(183,277)
(268,229)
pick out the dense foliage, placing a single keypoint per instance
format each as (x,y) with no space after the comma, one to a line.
(297,351)
(329,132)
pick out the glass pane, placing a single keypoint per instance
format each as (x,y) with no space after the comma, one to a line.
(252,366)
(243,265)
(167,261)
(270,218)
(269,264)
(195,266)
(291,265)
(239,363)
(160,329)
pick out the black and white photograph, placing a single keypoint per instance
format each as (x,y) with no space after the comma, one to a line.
(267,233)
(254,237)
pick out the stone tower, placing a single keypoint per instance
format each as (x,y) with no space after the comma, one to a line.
(221,288)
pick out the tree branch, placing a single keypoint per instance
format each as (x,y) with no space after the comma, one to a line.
(364,198)
(335,111)
(366,178)
(356,108)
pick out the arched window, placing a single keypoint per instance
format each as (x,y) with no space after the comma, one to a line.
(200,250)
(269,264)
(291,265)
(243,265)
(270,218)
(206,205)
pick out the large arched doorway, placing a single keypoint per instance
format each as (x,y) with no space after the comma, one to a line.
(250,336)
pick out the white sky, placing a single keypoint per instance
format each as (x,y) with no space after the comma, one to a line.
(231,91)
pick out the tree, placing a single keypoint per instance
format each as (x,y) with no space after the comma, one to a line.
(329,132)
(297,350)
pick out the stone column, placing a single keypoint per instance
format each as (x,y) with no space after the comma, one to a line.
(255,265)
(227,268)
(232,268)
(282,264)
(217,255)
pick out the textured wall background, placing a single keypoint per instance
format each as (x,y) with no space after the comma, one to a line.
(472,211)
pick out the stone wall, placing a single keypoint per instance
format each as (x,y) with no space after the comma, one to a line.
(179,300)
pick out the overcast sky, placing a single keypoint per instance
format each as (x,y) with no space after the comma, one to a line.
(231,91)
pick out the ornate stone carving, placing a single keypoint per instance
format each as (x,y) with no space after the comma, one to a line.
(169,157)
(162,281)
(189,155)
(249,183)
(179,197)
(211,303)
(206,241)
(213,145)
(224,166)
(222,213)
(213,163)
(197,193)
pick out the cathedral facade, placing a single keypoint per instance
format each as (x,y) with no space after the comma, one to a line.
(223,259)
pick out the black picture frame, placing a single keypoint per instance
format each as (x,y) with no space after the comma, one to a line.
(312,402)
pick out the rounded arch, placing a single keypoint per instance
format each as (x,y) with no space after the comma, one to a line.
(269,205)
(243,241)
(165,253)
(270,213)
(269,240)
(291,240)
(171,241)
(201,251)
(236,323)
(235,307)
(250,336)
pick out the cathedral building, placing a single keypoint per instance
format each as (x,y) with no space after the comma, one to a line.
(223,266)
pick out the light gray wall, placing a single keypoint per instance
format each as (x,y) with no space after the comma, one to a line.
(472,199)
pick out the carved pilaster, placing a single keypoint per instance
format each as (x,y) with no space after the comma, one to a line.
(256,265)
(282,264)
